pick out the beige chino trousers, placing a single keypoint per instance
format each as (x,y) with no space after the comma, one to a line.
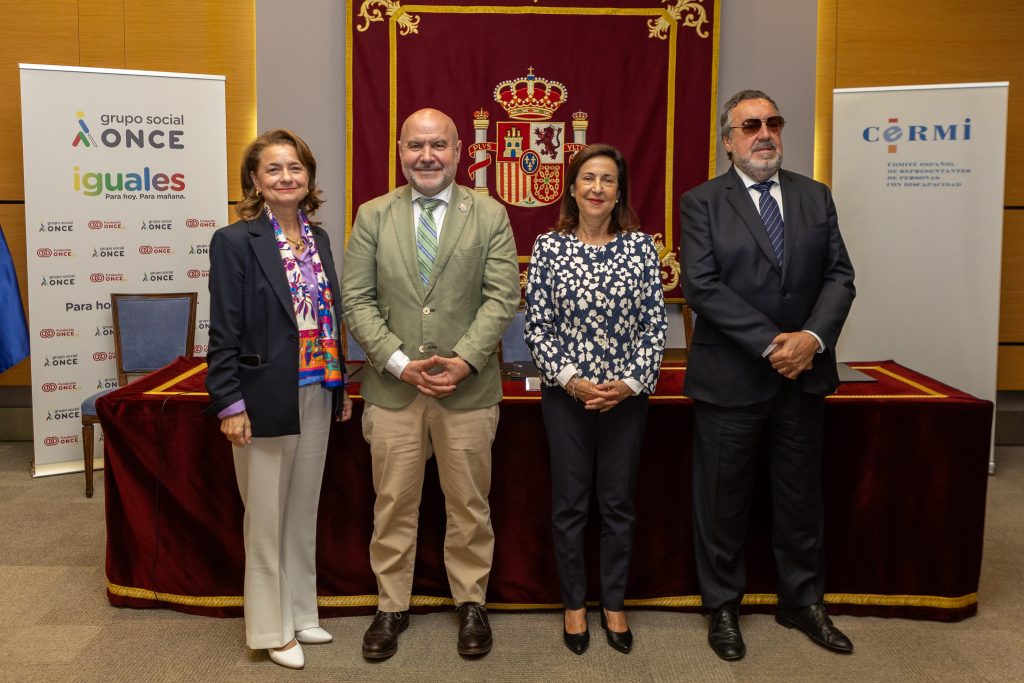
(401,441)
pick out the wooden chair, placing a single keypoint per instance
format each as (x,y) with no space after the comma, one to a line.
(150,331)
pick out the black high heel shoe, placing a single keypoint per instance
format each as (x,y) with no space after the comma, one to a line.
(577,642)
(623,642)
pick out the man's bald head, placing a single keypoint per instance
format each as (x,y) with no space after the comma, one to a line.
(429,148)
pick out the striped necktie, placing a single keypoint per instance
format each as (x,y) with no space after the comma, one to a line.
(771,217)
(426,236)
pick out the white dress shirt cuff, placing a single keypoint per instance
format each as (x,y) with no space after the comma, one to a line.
(634,385)
(821,344)
(566,374)
(396,364)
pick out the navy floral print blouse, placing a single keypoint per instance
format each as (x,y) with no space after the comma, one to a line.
(599,309)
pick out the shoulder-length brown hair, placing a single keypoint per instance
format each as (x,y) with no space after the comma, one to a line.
(623,218)
(251,204)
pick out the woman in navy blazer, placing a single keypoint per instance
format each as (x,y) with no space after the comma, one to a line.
(275,378)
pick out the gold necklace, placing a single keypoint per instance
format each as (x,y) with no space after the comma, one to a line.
(299,245)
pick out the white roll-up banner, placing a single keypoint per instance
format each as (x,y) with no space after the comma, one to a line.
(125,182)
(918,176)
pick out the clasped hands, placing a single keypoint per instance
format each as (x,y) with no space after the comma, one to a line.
(436,376)
(602,397)
(794,353)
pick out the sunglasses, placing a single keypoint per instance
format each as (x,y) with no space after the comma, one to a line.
(752,126)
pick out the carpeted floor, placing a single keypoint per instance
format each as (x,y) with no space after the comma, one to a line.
(56,624)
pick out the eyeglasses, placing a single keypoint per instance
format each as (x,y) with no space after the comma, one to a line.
(752,126)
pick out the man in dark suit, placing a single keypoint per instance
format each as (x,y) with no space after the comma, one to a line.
(767,273)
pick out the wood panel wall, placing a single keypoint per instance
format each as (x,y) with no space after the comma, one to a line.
(864,43)
(189,36)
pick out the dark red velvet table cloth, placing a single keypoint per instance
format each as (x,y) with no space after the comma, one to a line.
(905,476)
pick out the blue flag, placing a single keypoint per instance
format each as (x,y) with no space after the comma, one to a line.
(13,330)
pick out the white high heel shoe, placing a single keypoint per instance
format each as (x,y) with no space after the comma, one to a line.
(314,635)
(291,658)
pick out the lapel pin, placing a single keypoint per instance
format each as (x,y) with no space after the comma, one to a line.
(462,207)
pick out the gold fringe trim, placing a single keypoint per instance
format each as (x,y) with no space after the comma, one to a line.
(865,599)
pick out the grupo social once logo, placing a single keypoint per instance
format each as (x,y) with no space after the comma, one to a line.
(49,387)
(47,333)
(63,280)
(130,130)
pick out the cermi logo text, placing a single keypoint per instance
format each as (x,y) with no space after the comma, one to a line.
(896,131)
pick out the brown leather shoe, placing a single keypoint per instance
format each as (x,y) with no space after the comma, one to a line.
(474,631)
(381,640)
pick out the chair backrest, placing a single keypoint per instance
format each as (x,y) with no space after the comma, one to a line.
(688,318)
(151,330)
(513,342)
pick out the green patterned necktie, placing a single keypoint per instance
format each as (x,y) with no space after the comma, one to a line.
(426,236)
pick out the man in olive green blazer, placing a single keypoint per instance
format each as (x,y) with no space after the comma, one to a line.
(431,281)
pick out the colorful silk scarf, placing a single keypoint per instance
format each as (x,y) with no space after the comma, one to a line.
(319,358)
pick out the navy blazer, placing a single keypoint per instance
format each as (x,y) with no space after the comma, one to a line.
(254,337)
(743,298)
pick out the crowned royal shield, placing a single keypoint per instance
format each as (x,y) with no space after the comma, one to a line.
(529,152)
(530,163)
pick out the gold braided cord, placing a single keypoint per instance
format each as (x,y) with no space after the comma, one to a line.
(191,600)
(677,601)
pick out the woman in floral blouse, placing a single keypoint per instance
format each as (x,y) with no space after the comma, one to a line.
(595,324)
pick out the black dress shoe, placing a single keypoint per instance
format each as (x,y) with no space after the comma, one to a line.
(381,640)
(577,642)
(814,622)
(724,634)
(474,631)
(623,642)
